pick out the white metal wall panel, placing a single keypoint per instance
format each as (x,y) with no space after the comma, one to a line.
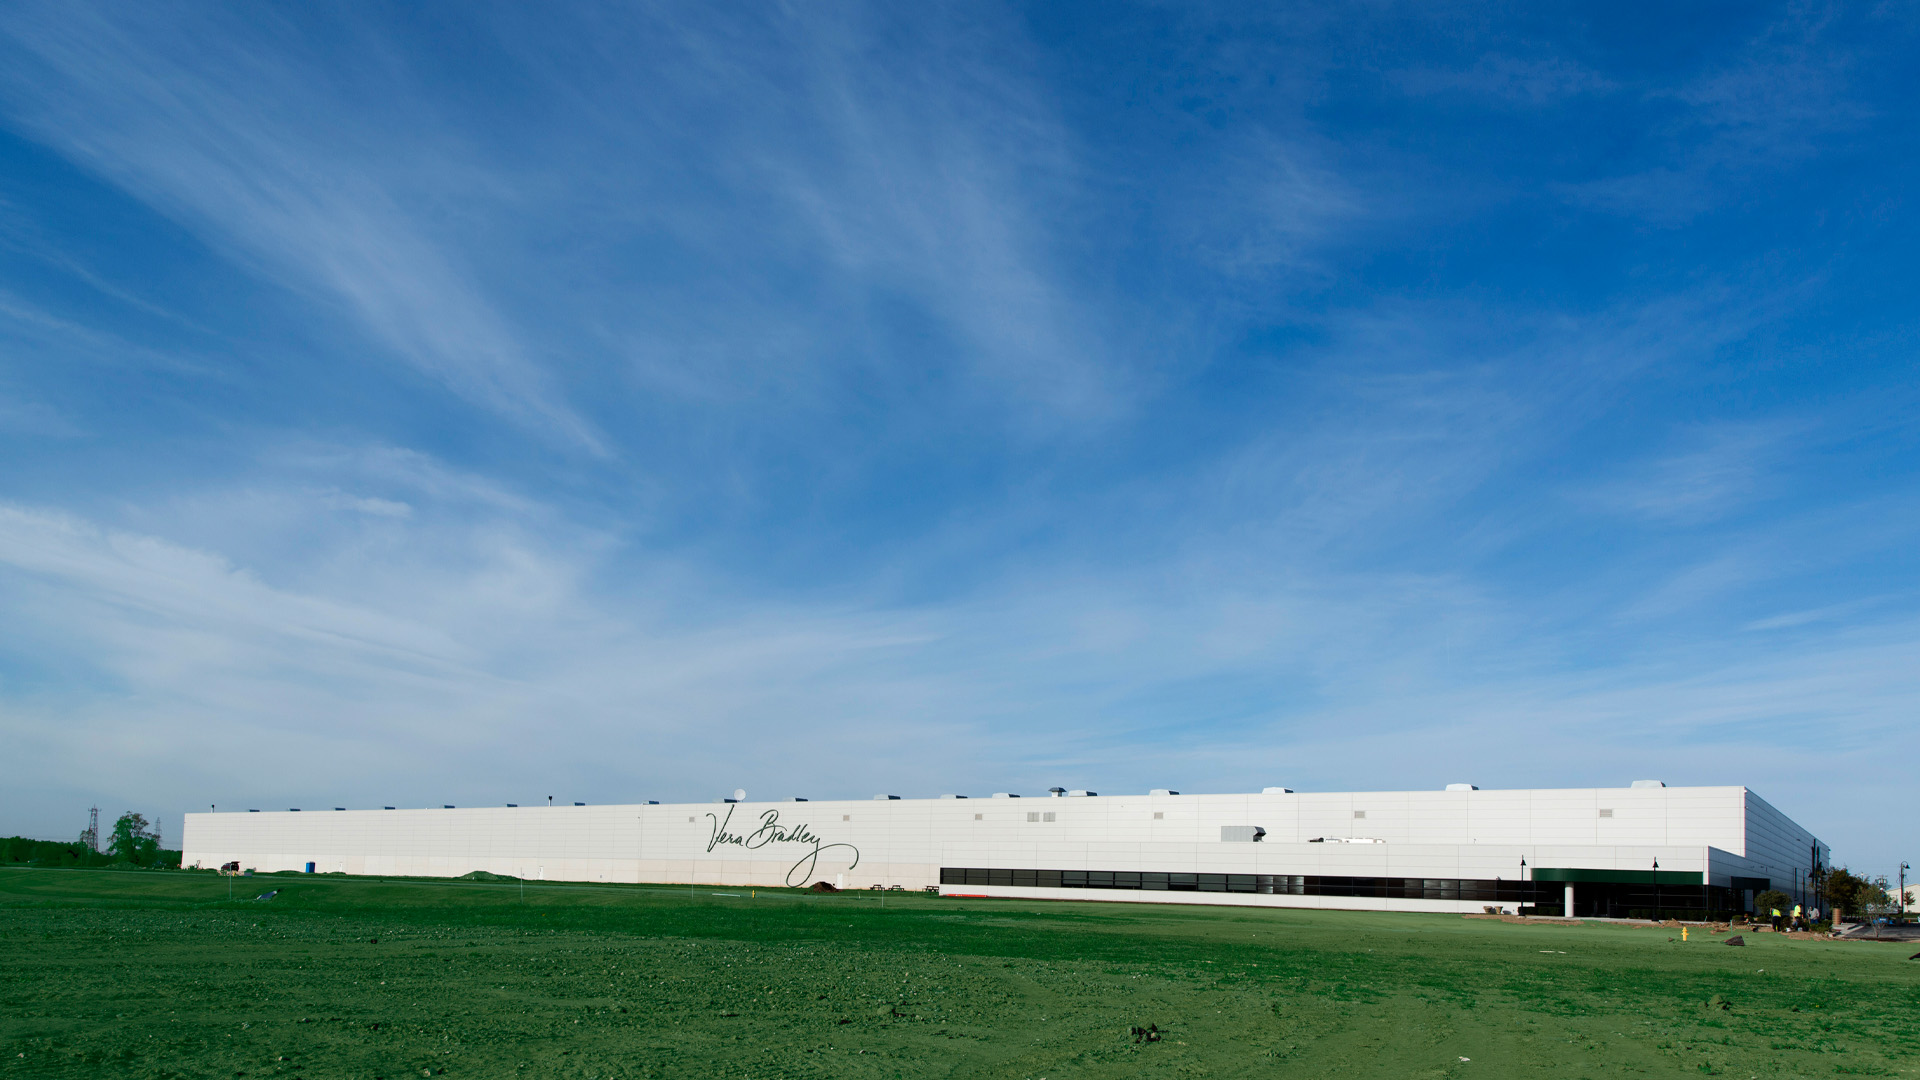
(1442,834)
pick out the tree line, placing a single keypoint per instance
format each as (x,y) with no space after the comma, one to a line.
(1849,892)
(1843,891)
(133,842)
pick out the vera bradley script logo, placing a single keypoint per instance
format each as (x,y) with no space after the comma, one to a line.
(772,832)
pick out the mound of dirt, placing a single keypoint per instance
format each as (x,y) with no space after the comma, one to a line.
(482,875)
(821,886)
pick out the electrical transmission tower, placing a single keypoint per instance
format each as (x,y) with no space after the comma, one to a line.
(91,837)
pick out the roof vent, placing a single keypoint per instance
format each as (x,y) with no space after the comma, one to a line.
(886,798)
(1463,787)
(1276,791)
(1057,791)
(1163,791)
(1080,794)
(1649,783)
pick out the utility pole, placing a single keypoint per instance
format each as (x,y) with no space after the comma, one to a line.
(1903,888)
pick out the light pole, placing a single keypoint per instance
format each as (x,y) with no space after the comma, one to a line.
(1903,888)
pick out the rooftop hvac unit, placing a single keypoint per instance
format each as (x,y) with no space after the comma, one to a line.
(1081,794)
(1276,791)
(1005,795)
(1163,791)
(1241,834)
(1462,787)
(886,798)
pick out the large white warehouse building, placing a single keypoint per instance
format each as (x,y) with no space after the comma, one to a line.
(1647,849)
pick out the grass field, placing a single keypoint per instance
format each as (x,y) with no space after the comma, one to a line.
(157,974)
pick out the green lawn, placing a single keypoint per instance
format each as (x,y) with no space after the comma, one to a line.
(157,974)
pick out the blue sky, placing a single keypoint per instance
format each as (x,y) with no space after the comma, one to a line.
(464,403)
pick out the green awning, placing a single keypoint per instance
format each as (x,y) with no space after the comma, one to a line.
(1617,877)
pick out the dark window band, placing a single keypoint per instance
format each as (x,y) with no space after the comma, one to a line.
(1621,900)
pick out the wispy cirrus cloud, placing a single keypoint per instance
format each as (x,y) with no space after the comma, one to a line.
(1725,468)
(1054,675)
(192,117)
(1781,98)
(1518,80)
(37,418)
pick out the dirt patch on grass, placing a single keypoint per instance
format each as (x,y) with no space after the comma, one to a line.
(1525,920)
